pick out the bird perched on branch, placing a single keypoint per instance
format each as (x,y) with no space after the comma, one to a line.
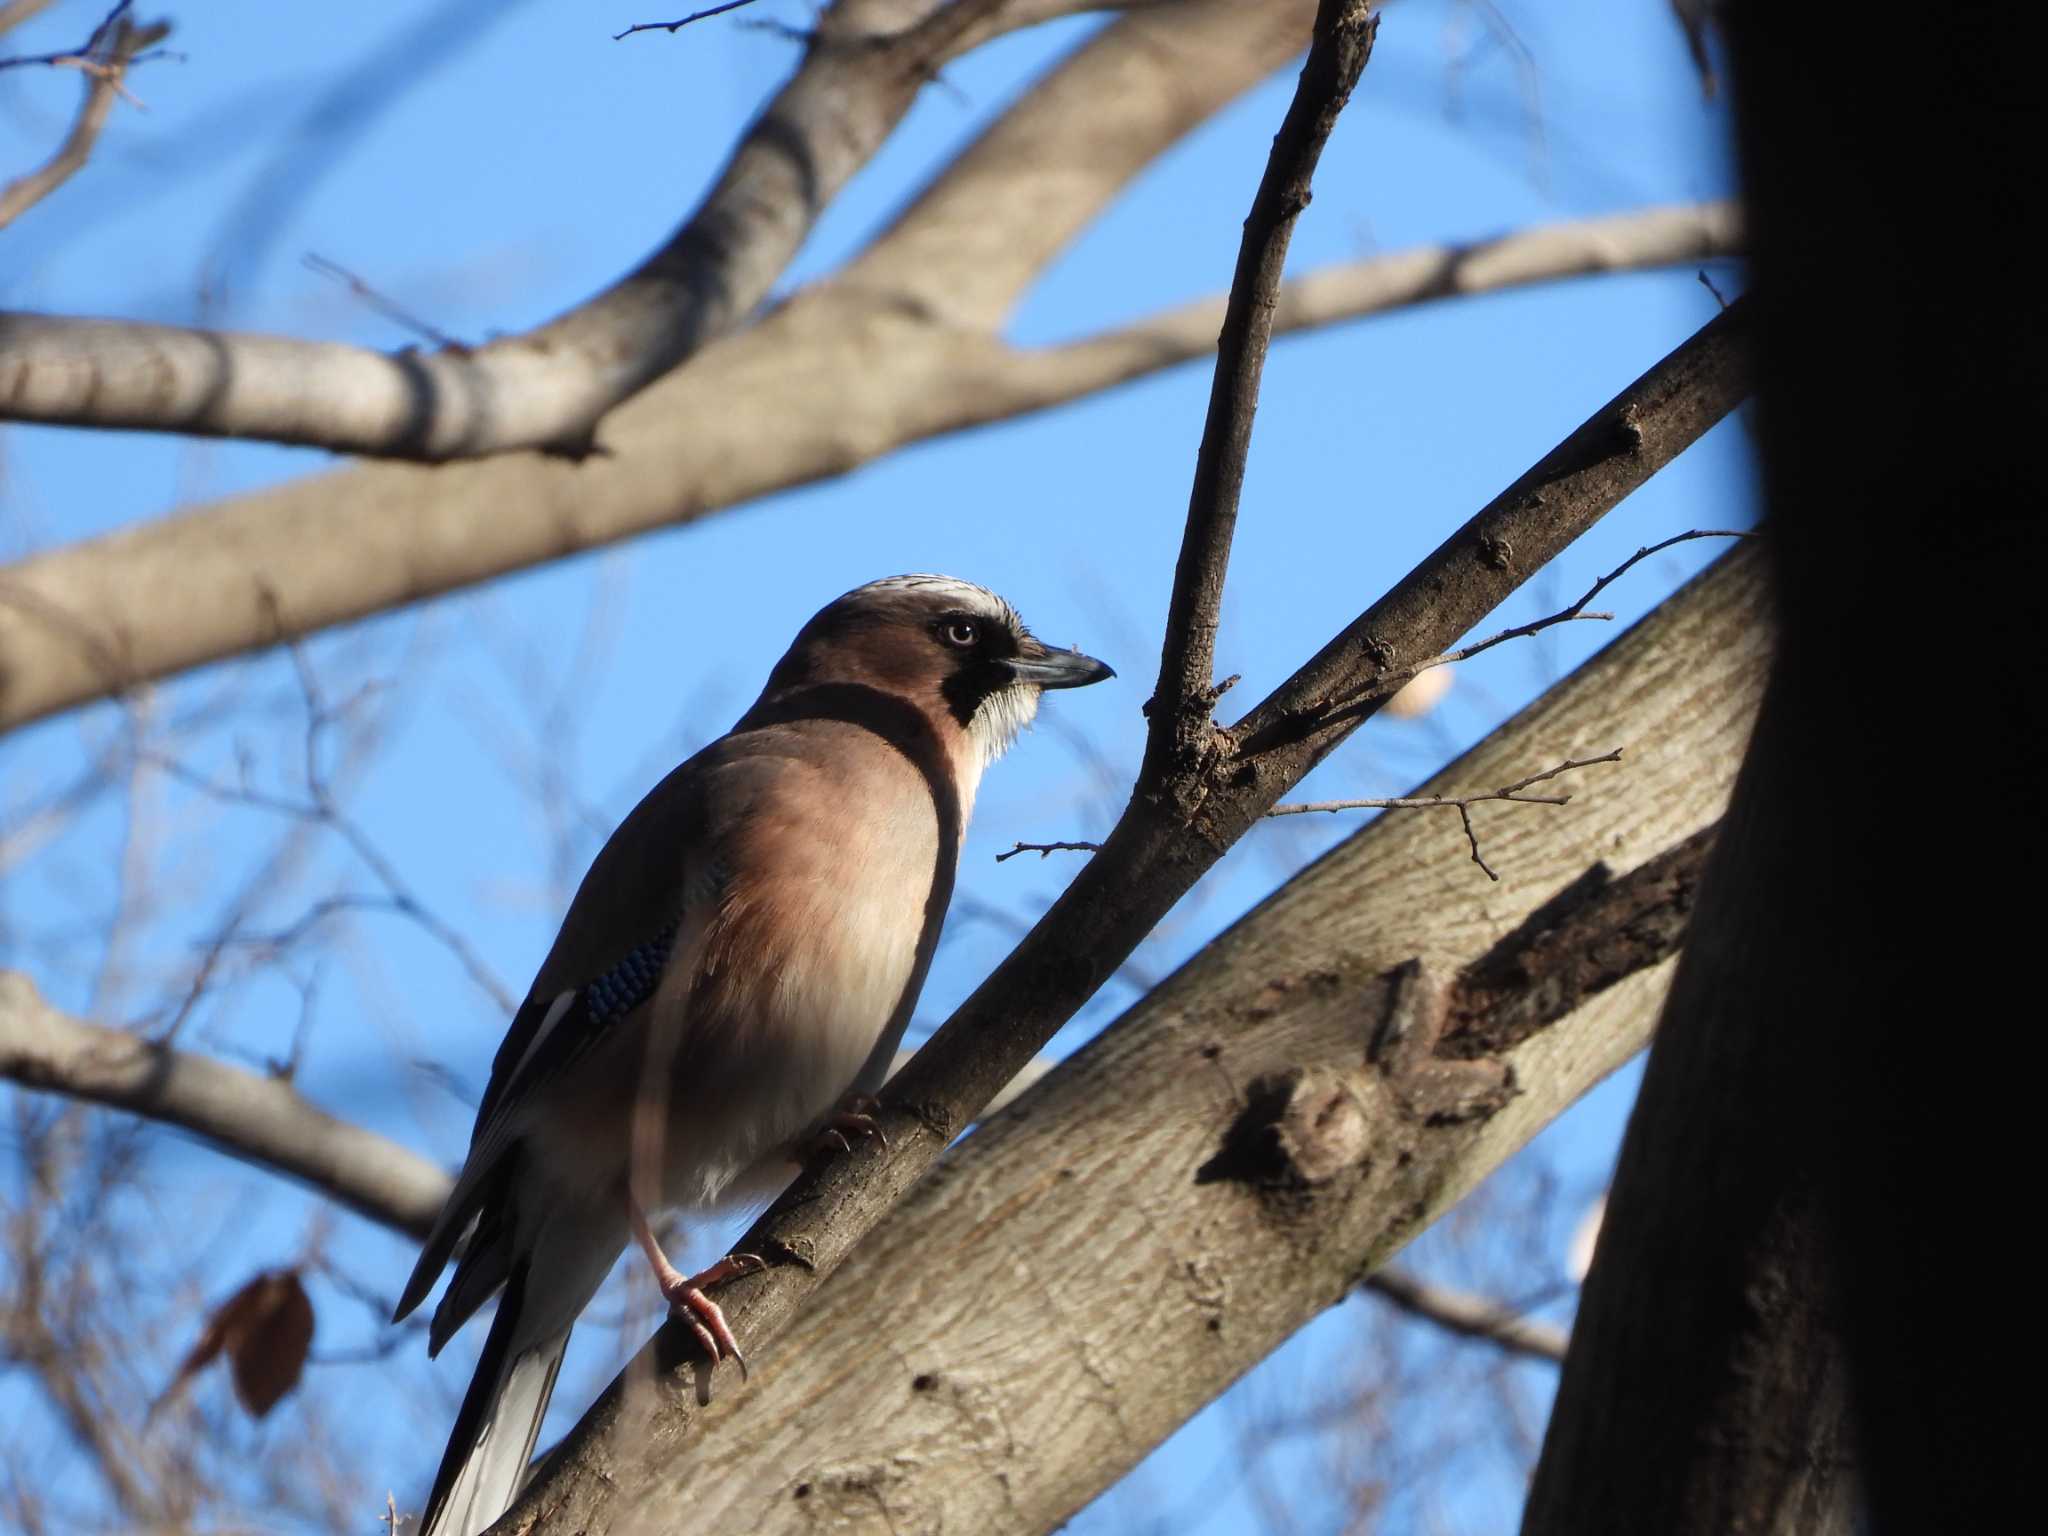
(734,974)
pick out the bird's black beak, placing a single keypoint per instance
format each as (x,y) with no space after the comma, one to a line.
(1034,663)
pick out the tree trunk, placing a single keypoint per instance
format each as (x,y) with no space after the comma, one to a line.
(1822,1136)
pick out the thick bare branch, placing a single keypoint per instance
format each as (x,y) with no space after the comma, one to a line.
(1165,1289)
(548,388)
(788,401)
(975,239)
(261,1120)
(264,1120)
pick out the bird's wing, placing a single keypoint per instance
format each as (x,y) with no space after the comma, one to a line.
(650,890)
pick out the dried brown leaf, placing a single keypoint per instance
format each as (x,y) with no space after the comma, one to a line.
(266,1330)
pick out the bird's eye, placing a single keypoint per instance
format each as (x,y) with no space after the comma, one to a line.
(960,632)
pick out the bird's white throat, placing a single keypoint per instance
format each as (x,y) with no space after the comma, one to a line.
(998,721)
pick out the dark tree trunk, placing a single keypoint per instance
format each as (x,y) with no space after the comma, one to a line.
(1823,1168)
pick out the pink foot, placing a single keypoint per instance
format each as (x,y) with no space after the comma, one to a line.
(687,1302)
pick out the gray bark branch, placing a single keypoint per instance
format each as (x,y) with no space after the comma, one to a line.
(548,388)
(793,399)
(263,1120)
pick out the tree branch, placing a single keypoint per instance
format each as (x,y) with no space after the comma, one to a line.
(262,1120)
(1462,804)
(551,387)
(673,27)
(115,44)
(975,239)
(787,402)
(1475,1317)
(1181,733)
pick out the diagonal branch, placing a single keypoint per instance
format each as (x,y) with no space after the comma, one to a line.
(793,399)
(1475,1317)
(262,1120)
(549,388)
(975,239)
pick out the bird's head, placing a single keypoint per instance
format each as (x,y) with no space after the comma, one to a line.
(957,650)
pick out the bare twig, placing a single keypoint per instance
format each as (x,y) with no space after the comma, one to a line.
(95,47)
(115,45)
(322,806)
(1042,849)
(1475,1317)
(1186,693)
(1576,612)
(672,27)
(389,308)
(1462,804)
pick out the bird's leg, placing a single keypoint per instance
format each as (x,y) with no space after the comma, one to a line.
(854,1117)
(685,1293)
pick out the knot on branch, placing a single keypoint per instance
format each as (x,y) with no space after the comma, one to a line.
(1298,1129)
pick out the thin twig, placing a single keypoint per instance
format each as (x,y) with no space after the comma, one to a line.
(88,49)
(116,44)
(673,27)
(1042,849)
(1475,1317)
(1186,695)
(390,309)
(1462,804)
(323,807)
(1577,610)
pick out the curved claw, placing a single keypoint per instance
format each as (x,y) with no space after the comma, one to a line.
(706,1319)
(854,1120)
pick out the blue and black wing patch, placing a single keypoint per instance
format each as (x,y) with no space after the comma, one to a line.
(628,984)
(568,1029)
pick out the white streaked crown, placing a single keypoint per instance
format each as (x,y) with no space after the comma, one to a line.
(974,599)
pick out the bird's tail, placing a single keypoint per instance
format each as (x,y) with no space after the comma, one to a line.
(492,1443)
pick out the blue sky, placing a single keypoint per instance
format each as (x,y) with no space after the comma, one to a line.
(488,182)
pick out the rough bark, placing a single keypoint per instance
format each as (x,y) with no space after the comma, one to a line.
(1704,1390)
(1069,1286)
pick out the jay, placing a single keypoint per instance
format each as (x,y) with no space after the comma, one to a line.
(736,969)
